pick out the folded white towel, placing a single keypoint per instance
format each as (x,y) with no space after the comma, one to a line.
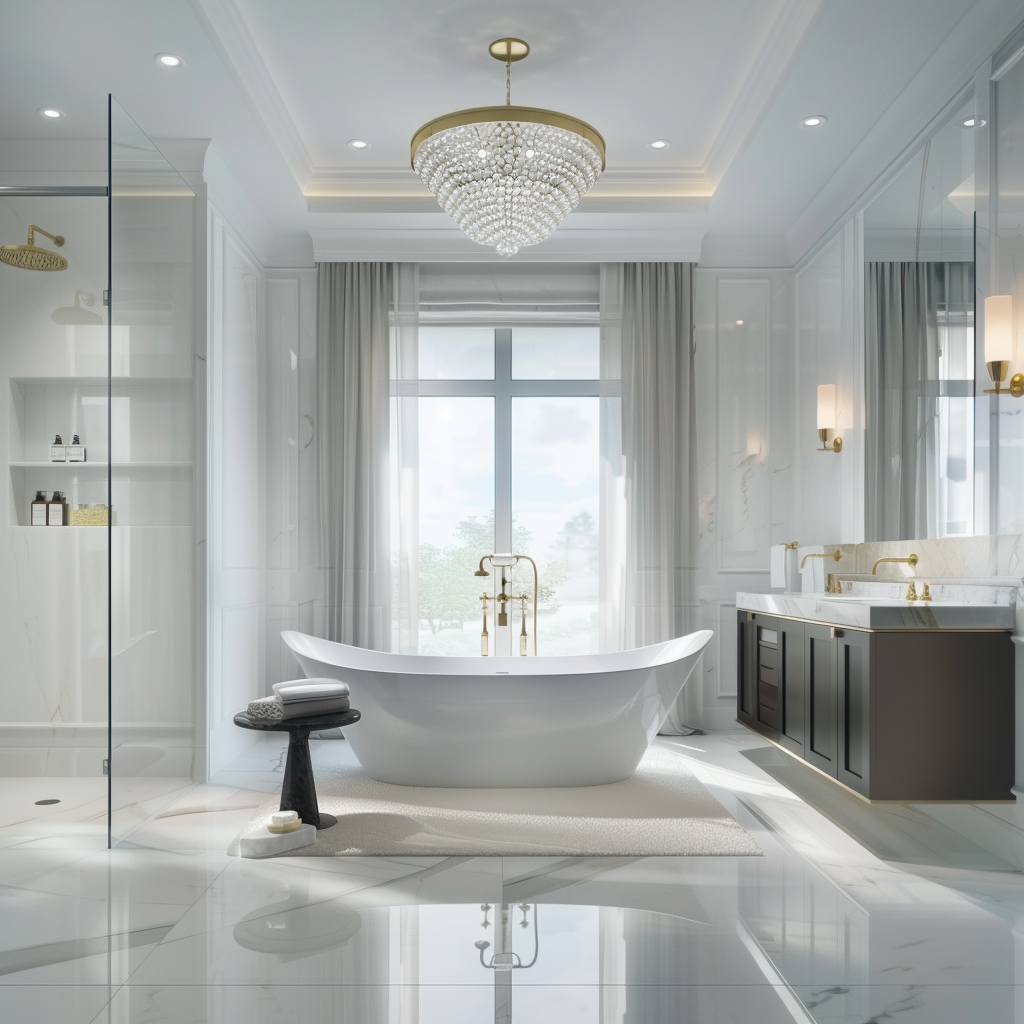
(266,708)
(310,689)
(273,709)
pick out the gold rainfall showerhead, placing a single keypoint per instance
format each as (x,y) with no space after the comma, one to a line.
(31,256)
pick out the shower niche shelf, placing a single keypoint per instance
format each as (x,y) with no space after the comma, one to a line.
(151,474)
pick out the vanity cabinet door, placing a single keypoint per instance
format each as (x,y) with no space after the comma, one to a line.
(792,686)
(821,736)
(854,678)
(746,669)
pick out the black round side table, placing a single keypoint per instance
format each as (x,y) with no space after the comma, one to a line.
(298,793)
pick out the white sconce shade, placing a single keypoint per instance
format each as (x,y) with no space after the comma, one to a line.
(827,424)
(998,329)
(826,407)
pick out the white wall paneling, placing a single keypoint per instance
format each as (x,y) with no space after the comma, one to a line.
(830,350)
(293,582)
(237,440)
(725,635)
(744,457)
(743,327)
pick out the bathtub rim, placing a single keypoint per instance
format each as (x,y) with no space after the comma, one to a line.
(364,659)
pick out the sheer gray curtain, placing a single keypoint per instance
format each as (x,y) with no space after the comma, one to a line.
(652,310)
(903,303)
(353,398)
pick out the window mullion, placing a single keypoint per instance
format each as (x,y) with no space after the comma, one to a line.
(502,439)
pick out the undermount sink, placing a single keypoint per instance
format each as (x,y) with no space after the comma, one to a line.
(981,608)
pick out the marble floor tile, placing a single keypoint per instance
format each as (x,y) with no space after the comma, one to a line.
(206,817)
(275,1004)
(821,928)
(67,1004)
(80,816)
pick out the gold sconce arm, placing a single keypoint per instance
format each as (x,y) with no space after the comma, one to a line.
(997,369)
(834,555)
(835,445)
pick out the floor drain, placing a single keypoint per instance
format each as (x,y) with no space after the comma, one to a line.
(40,802)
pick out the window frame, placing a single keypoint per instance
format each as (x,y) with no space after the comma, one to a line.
(503,389)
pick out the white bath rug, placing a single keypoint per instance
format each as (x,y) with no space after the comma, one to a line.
(662,811)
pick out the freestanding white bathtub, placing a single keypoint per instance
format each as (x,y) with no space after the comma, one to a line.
(504,722)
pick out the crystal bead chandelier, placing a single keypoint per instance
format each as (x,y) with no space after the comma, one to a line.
(508,175)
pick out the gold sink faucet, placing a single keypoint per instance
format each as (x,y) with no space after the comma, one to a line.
(911,561)
(834,555)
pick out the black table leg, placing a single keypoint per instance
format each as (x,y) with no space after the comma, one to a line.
(298,793)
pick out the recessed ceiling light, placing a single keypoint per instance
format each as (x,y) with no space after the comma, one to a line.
(659,144)
(50,112)
(974,122)
(814,121)
(168,60)
(739,323)
(358,144)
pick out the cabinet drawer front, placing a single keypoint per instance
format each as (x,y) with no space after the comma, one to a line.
(767,675)
(768,656)
(768,716)
(768,695)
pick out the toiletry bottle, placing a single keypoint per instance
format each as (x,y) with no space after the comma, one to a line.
(38,509)
(76,450)
(58,450)
(57,510)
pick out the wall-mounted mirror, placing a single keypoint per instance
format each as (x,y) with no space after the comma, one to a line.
(919,295)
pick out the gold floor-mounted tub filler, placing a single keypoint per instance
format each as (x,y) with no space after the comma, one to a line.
(502,595)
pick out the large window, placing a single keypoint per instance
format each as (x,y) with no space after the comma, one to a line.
(496,449)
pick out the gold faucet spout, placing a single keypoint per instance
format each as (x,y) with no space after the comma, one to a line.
(834,555)
(911,561)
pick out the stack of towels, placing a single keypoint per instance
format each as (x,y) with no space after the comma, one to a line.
(300,698)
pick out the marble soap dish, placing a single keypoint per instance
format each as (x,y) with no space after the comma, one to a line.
(281,833)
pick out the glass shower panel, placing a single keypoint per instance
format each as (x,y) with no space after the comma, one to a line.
(53,622)
(154,695)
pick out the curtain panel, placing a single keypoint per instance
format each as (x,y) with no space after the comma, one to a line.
(903,301)
(650,513)
(353,398)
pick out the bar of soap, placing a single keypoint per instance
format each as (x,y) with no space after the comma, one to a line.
(263,843)
(284,821)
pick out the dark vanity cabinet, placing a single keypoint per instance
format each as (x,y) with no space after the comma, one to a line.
(893,715)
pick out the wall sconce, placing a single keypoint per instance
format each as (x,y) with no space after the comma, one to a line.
(827,419)
(999,345)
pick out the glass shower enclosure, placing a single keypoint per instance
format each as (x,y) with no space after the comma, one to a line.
(156,241)
(102,720)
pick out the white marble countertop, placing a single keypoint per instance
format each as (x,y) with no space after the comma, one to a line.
(860,611)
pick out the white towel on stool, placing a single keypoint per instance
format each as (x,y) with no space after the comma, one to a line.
(295,690)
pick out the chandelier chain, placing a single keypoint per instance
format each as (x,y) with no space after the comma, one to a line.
(508,81)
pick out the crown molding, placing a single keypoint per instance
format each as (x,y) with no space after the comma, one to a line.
(227,31)
(387,190)
(758,89)
(568,244)
(920,109)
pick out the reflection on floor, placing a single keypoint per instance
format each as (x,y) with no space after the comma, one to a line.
(819,929)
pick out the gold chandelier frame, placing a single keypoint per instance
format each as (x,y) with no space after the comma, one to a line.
(507,112)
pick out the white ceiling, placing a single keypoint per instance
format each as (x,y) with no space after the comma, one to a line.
(281,87)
